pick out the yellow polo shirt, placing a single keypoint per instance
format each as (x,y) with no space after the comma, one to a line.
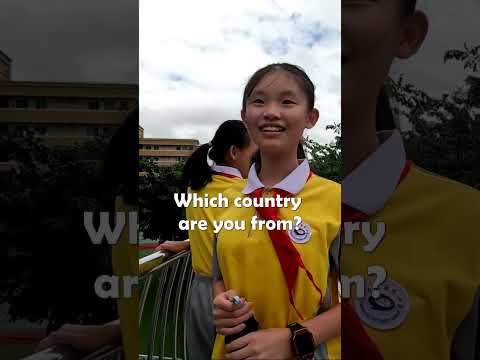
(125,263)
(430,252)
(249,264)
(201,240)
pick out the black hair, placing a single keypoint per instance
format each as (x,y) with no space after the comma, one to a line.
(300,75)
(122,160)
(409,6)
(384,114)
(196,172)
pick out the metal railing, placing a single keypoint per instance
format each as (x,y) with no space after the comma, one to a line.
(165,283)
(164,288)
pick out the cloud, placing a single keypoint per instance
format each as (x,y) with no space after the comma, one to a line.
(427,69)
(214,48)
(79,41)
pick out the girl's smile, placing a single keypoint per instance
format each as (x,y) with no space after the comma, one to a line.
(276,112)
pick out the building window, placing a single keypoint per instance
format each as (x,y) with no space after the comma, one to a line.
(108,131)
(123,106)
(148,147)
(21,103)
(93,105)
(108,105)
(93,131)
(3,102)
(155,147)
(41,103)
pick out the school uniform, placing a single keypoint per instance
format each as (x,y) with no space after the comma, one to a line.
(200,329)
(247,260)
(428,306)
(125,263)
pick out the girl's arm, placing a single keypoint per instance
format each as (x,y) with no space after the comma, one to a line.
(276,343)
(174,246)
(325,326)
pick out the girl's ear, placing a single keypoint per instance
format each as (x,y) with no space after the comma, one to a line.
(414,33)
(232,153)
(312,118)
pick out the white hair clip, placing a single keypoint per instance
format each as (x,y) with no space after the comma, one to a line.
(210,162)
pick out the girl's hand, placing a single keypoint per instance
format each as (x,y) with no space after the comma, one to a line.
(262,344)
(174,246)
(228,317)
(85,338)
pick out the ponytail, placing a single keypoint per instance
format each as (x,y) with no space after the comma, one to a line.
(197,172)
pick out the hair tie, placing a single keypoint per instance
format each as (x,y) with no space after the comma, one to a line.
(210,162)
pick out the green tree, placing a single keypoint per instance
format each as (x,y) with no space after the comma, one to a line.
(445,131)
(46,247)
(159,214)
(326,159)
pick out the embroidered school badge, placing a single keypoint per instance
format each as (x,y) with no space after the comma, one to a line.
(301,233)
(388,310)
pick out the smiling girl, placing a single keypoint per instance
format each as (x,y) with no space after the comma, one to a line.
(282,276)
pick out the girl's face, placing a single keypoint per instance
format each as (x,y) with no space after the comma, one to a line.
(373,34)
(277,113)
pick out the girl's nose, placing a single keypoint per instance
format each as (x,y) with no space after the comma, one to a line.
(271,112)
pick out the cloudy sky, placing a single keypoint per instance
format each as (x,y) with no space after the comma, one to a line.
(69,40)
(194,64)
(195,57)
(450,26)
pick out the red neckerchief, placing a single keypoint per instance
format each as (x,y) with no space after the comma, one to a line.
(288,256)
(358,343)
(226,175)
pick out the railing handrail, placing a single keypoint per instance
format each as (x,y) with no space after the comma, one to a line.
(157,274)
(148,265)
(157,260)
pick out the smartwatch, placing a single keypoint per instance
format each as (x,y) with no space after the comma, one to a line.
(302,342)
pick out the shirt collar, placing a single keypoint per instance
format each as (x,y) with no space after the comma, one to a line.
(293,183)
(227,170)
(372,183)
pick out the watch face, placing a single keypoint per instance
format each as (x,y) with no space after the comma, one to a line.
(304,342)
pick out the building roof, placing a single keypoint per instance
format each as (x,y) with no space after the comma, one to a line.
(160,141)
(161,153)
(57,117)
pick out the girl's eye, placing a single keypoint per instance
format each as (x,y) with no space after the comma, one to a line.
(257,101)
(288,102)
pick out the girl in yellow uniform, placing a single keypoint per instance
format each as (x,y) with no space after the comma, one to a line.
(427,306)
(282,274)
(216,168)
(121,178)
